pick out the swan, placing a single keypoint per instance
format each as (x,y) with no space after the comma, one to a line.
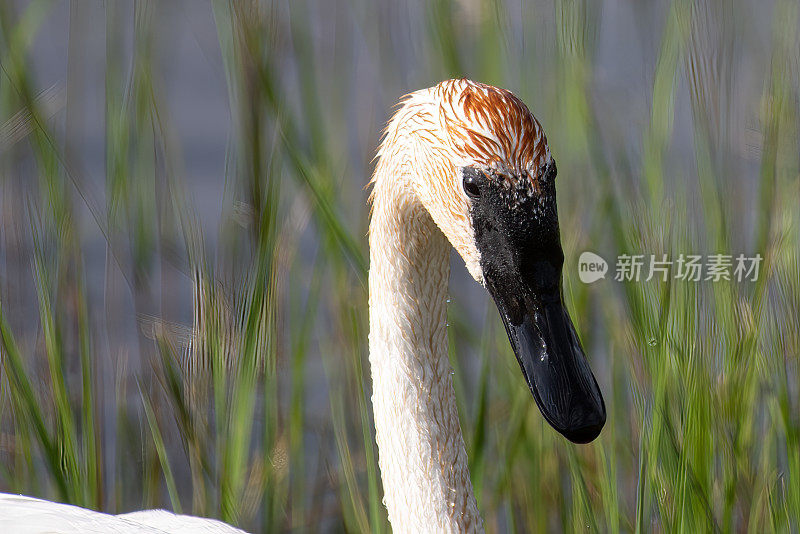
(465,163)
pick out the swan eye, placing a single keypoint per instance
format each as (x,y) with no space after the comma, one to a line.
(471,178)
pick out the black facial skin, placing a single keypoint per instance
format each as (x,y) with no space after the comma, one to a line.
(516,233)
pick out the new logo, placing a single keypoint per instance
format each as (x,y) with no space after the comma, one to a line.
(591,267)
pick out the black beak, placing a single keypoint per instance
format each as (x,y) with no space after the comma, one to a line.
(516,232)
(555,368)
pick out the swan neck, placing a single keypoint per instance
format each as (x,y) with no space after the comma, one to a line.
(422,457)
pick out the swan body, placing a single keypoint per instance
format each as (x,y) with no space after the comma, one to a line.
(26,515)
(462,164)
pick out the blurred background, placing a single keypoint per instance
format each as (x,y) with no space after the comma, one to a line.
(183,304)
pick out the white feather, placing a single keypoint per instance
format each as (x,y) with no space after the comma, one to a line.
(26,515)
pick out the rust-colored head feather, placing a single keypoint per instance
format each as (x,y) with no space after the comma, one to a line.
(492,126)
(474,122)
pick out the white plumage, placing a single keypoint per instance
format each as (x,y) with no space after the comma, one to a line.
(26,515)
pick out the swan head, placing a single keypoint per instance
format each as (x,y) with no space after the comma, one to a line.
(484,172)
